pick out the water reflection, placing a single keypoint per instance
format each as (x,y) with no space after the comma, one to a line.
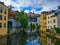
(22,38)
(47,39)
(32,42)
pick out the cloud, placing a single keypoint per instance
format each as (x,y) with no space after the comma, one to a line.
(6,2)
(30,5)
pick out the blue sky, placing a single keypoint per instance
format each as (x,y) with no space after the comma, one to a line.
(33,5)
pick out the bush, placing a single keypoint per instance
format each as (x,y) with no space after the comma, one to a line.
(57,30)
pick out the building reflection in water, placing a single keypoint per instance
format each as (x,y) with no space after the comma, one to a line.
(50,39)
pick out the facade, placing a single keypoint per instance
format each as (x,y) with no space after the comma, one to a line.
(12,23)
(43,21)
(58,19)
(3,19)
(53,20)
(3,23)
(33,19)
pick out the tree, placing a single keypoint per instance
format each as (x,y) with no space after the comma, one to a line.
(17,18)
(32,26)
(37,29)
(22,18)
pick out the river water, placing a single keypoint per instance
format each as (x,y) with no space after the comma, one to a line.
(22,38)
(33,42)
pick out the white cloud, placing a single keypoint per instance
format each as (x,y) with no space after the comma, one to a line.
(46,4)
(6,2)
(27,11)
(51,5)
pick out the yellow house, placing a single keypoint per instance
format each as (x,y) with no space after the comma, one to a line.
(3,23)
(43,21)
(43,27)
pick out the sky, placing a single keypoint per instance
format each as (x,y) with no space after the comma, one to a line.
(32,5)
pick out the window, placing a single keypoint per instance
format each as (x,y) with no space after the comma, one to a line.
(54,21)
(4,11)
(0,17)
(0,25)
(4,24)
(48,22)
(0,9)
(48,26)
(56,14)
(4,17)
(54,26)
(48,17)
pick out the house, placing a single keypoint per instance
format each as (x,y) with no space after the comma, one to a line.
(3,23)
(12,23)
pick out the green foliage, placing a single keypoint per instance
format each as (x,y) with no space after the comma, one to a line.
(57,30)
(17,15)
(57,42)
(37,29)
(23,38)
(22,18)
(32,26)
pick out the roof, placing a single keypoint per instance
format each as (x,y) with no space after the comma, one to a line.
(53,16)
(3,4)
(46,12)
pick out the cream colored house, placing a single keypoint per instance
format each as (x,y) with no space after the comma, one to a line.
(51,21)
